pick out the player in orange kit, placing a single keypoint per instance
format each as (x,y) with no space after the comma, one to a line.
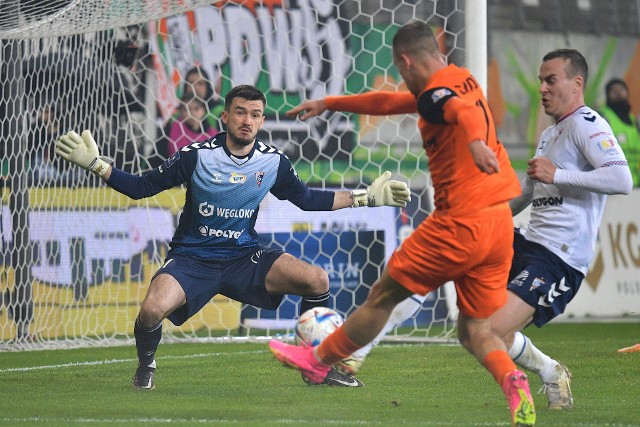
(468,239)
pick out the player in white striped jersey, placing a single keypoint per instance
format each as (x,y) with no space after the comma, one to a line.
(578,162)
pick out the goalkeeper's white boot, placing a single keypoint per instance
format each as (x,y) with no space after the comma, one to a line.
(558,390)
(144,379)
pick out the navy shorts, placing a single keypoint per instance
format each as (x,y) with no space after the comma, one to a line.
(542,279)
(241,278)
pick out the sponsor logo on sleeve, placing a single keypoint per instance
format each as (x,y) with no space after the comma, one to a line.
(599,134)
(170,161)
(439,94)
(608,146)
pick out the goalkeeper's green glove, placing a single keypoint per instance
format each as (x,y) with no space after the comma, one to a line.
(382,192)
(83,151)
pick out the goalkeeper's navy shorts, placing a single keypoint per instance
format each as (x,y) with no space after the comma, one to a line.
(542,279)
(241,278)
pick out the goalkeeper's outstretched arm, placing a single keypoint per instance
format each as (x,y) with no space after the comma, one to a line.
(381,192)
(83,151)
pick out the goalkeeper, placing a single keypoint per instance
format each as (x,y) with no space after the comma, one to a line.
(215,248)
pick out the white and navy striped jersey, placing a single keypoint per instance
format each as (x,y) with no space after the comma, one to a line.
(223,194)
(565,218)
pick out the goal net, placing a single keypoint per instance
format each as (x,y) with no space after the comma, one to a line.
(77,257)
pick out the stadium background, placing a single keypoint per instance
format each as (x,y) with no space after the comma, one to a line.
(87,278)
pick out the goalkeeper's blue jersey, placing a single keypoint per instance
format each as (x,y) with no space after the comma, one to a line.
(223,194)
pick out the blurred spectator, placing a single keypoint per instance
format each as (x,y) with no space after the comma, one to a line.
(124,124)
(624,124)
(197,84)
(191,125)
(180,132)
(47,168)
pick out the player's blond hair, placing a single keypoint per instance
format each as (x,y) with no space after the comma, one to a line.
(415,38)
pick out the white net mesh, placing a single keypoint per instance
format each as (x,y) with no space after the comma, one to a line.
(26,19)
(77,256)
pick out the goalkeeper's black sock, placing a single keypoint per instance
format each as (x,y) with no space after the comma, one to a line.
(307,303)
(147,341)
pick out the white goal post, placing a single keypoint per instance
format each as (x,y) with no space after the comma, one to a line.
(76,257)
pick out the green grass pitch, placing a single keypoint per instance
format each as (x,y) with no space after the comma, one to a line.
(243,385)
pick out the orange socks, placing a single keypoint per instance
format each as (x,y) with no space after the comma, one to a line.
(499,364)
(336,347)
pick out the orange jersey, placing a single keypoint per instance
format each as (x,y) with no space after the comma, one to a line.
(453,112)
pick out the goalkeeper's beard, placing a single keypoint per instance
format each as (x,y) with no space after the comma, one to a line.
(239,140)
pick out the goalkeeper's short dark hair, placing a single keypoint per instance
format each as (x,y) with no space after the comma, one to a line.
(248,92)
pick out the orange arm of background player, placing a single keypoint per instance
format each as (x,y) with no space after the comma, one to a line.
(473,121)
(471,118)
(379,103)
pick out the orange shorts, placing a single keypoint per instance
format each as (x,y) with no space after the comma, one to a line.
(474,251)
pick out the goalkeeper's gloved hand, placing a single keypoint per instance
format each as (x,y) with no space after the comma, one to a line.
(83,151)
(382,192)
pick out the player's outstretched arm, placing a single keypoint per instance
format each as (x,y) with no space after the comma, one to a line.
(83,151)
(310,108)
(382,192)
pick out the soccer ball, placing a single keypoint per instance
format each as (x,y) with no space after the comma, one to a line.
(316,324)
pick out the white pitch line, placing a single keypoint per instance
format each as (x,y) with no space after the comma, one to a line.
(115,361)
(278,422)
(133,421)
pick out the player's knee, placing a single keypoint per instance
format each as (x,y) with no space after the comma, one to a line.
(464,339)
(151,313)
(467,331)
(318,281)
(506,337)
(387,294)
(475,334)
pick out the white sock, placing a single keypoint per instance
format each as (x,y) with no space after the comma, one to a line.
(452,298)
(525,354)
(400,313)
